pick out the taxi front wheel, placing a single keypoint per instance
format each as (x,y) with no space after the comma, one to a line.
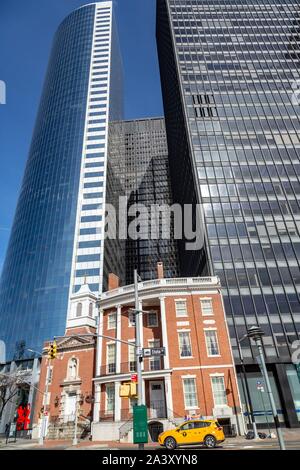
(210,442)
(170,443)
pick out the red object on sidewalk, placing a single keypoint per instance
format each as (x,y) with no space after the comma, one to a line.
(23,419)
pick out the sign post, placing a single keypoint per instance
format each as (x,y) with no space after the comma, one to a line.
(140,424)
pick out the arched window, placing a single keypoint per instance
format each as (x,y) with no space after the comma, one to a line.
(72,368)
(91,309)
(79,310)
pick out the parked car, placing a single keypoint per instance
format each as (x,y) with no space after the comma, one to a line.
(207,432)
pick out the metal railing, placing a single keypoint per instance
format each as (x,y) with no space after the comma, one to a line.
(186,281)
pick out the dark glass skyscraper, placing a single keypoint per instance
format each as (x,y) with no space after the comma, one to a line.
(140,147)
(57,235)
(228,70)
(148,183)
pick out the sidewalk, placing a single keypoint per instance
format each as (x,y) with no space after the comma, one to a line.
(290,435)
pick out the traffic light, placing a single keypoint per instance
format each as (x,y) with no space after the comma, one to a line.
(52,352)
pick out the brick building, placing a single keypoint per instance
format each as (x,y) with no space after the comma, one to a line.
(195,377)
(70,374)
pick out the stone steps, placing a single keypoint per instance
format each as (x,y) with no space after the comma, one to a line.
(65,431)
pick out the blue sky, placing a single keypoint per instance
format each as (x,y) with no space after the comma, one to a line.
(26,33)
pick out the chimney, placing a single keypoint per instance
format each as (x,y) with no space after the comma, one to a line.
(113,281)
(160,270)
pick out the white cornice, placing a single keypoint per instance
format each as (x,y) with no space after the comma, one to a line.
(160,288)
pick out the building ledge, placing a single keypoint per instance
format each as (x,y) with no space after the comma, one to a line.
(165,284)
(155,374)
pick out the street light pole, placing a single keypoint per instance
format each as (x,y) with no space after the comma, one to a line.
(256,333)
(248,398)
(138,345)
(75,441)
(43,426)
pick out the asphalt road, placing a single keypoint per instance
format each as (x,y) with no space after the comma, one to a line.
(247,446)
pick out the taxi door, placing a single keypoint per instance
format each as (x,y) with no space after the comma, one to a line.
(199,431)
(186,433)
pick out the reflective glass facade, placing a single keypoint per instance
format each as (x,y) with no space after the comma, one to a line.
(147,182)
(228,69)
(56,238)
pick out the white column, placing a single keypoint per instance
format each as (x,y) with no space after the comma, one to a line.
(118,335)
(99,343)
(117,402)
(96,409)
(164,331)
(169,398)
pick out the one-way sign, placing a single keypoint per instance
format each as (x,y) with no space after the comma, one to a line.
(149,352)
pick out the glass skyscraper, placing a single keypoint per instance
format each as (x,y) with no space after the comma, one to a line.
(141,145)
(57,237)
(228,71)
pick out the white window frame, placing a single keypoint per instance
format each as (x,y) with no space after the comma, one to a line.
(189,407)
(156,319)
(111,343)
(206,330)
(189,335)
(109,316)
(129,356)
(206,314)
(218,376)
(112,387)
(154,343)
(177,301)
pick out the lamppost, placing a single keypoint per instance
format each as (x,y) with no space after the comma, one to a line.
(75,440)
(256,333)
(248,398)
(138,345)
(45,393)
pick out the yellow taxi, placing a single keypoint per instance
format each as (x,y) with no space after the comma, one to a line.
(196,431)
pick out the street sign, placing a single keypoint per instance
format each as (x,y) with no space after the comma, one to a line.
(147,352)
(140,424)
(150,352)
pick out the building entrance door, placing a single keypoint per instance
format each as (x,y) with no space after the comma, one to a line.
(157,399)
(70,409)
